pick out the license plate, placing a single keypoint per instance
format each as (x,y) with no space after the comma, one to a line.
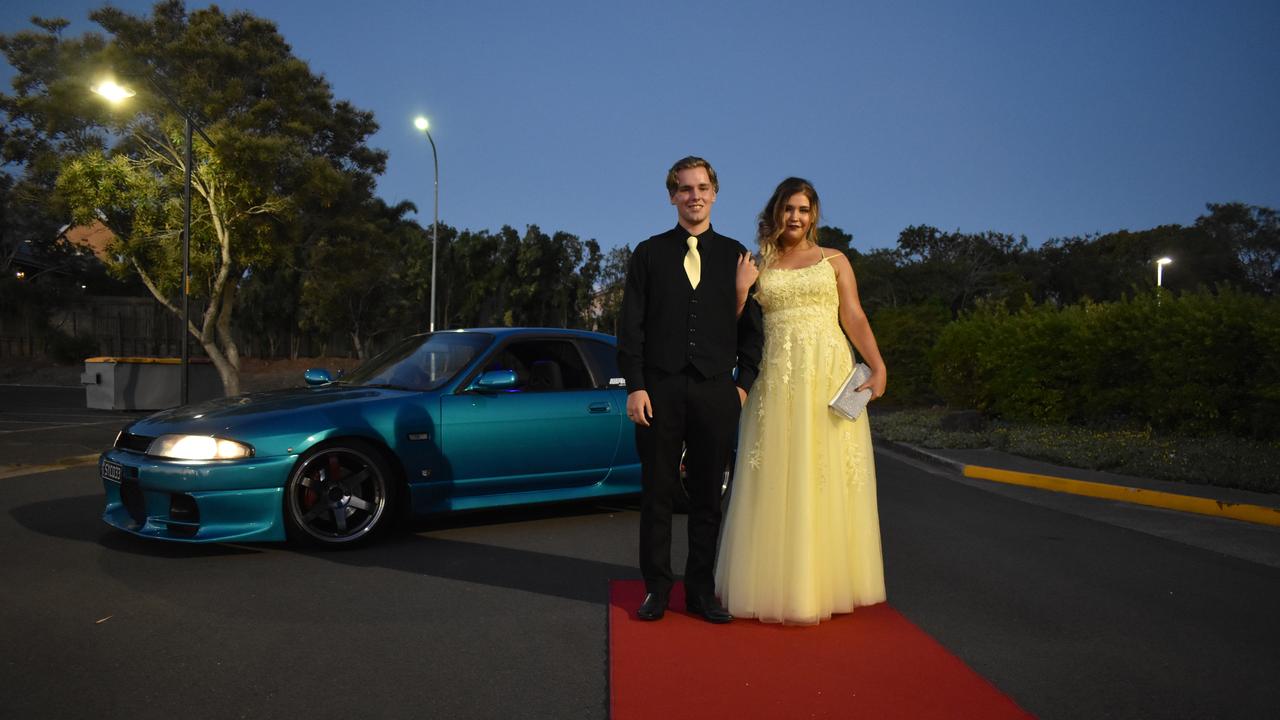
(111,470)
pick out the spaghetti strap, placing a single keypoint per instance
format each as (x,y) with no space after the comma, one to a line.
(825,256)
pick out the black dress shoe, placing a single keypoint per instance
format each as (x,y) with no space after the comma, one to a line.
(708,608)
(653,607)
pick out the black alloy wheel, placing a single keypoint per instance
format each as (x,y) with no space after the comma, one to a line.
(339,494)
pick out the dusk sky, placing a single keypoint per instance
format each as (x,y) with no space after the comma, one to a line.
(1032,118)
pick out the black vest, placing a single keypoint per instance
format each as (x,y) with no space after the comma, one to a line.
(668,325)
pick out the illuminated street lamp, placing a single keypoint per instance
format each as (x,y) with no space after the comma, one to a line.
(1160,270)
(422,124)
(115,94)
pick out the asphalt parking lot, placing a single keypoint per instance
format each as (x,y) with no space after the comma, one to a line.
(491,614)
(1074,607)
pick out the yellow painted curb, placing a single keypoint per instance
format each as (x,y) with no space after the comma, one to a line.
(1155,498)
(12,471)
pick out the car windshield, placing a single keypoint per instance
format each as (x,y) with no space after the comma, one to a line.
(421,362)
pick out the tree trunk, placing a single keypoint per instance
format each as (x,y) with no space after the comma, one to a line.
(229,373)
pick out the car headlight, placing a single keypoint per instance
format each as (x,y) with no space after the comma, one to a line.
(197,447)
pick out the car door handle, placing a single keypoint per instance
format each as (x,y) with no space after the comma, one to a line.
(598,407)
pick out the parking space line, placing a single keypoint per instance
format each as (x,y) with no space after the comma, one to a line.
(27,422)
(12,471)
(4,416)
(57,427)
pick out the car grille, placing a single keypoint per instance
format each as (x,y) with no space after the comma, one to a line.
(133,501)
(133,443)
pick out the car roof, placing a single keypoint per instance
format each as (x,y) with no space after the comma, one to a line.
(511,331)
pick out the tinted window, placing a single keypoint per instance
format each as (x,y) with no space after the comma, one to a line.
(604,361)
(543,365)
(421,362)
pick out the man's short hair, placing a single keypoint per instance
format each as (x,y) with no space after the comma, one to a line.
(686,163)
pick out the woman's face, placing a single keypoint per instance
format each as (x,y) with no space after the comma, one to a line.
(797,216)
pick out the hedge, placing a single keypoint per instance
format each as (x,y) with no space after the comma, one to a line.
(1199,362)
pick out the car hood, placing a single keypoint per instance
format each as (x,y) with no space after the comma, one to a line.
(283,414)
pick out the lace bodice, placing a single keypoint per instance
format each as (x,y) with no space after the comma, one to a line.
(801,317)
(810,289)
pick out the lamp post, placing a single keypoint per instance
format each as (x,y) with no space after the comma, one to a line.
(422,124)
(1160,270)
(115,94)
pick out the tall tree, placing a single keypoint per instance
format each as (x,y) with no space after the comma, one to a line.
(833,237)
(609,288)
(956,267)
(584,285)
(283,144)
(1253,235)
(357,281)
(544,289)
(480,277)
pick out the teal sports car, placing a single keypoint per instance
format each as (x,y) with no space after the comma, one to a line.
(444,421)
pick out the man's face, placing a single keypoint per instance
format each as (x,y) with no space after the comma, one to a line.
(694,196)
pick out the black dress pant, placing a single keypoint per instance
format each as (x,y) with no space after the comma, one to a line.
(702,414)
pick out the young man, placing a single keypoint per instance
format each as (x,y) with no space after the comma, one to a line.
(687,323)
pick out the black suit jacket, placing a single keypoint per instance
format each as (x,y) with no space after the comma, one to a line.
(668,325)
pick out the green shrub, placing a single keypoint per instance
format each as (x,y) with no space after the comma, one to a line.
(905,336)
(1200,363)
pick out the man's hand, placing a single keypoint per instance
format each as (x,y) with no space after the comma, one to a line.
(639,409)
(742,396)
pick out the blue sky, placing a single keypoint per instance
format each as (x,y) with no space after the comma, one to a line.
(1032,118)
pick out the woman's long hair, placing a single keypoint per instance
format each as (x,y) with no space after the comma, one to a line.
(772,223)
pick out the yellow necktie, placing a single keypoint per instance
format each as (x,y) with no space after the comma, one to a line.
(693,262)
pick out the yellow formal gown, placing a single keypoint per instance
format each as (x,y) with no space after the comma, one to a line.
(801,539)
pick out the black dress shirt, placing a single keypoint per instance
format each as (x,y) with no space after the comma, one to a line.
(668,325)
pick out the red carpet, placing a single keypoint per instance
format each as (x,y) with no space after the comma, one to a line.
(872,663)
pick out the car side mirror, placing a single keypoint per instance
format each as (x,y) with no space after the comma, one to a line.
(495,380)
(317,376)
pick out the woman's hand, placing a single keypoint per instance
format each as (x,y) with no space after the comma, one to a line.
(879,379)
(747,274)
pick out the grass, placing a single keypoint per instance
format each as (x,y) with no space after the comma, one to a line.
(1222,461)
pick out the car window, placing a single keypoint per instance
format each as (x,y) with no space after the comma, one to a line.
(543,366)
(604,361)
(421,362)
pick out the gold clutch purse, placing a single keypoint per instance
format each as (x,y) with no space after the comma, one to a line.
(849,401)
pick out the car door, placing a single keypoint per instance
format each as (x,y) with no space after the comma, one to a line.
(554,429)
(603,358)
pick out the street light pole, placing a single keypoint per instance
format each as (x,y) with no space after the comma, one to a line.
(116,93)
(186,265)
(1160,270)
(422,124)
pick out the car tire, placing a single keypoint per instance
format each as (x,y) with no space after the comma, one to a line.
(340,494)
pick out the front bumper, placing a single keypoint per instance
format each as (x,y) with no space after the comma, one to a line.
(208,501)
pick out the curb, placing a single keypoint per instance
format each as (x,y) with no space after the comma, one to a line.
(1244,512)
(925,455)
(12,471)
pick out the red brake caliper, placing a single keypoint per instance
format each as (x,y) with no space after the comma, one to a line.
(335,470)
(309,496)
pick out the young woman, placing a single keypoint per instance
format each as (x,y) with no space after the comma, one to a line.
(801,540)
